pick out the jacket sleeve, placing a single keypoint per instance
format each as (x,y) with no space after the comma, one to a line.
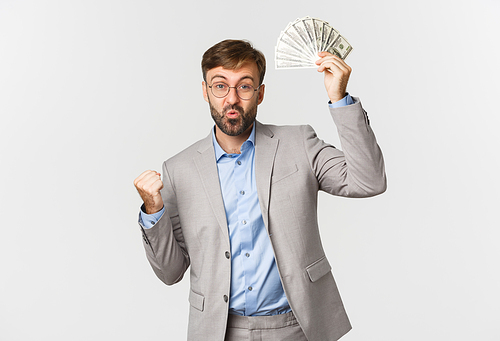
(356,172)
(164,242)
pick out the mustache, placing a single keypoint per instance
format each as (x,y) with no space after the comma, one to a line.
(233,107)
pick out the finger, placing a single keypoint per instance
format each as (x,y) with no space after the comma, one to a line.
(335,66)
(156,186)
(332,67)
(328,56)
(151,185)
(147,178)
(151,190)
(140,177)
(333,59)
(150,179)
(325,54)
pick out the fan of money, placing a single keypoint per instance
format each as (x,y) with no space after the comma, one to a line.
(298,45)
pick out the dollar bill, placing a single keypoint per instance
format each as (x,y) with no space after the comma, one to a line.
(342,47)
(283,64)
(292,38)
(308,24)
(301,31)
(299,43)
(332,35)
(287,46)
(318,33)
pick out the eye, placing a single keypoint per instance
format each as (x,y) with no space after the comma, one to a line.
(246,87)
(220,86)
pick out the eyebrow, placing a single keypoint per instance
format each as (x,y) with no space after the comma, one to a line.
(223,77)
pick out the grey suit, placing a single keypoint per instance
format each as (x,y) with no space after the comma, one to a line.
(291,166)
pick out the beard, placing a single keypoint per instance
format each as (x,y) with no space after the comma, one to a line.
(233,126)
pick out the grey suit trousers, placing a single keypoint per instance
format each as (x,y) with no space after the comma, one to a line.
(282,327)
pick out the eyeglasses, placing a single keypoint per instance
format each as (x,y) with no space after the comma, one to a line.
(244,91)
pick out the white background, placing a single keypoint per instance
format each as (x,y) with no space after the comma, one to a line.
(92,93)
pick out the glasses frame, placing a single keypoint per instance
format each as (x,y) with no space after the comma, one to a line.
(235,89)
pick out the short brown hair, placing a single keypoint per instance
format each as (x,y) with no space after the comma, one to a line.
(232,54)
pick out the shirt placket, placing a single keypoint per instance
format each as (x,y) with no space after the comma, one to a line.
(243,188)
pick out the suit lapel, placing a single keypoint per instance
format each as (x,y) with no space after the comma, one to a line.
(265,152)
(207,169)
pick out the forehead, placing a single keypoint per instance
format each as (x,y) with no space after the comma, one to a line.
(246,71)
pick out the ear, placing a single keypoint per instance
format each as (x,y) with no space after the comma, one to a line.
(204,88)
(261,94)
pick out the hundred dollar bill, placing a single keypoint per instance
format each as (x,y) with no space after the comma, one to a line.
(280,53)
(301,31)
(286,46)
(292,38)
(342,47)
(283,64)
(285,58)
(333,51)
(318,33)
(309,26)
(331,35)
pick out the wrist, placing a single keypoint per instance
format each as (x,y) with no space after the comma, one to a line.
(335,99)
(151,208)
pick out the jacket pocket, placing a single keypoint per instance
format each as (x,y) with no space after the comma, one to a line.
(318,269)
(196,300)
(281,174)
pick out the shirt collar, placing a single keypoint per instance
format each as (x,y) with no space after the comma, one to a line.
(219,152)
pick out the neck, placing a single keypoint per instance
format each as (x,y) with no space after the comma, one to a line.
(232,144)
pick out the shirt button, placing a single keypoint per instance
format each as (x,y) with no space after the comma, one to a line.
(242,192)
(250,288)
(247,254)
(225,298)
(244,222)
(238,162)
(228,255)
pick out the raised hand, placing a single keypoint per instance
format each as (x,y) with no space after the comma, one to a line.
(337,77)
(148,185)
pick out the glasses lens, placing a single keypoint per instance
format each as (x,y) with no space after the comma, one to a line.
(245,91)
(220,89)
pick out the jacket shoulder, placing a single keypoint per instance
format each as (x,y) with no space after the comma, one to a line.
(187,154)
(283,131)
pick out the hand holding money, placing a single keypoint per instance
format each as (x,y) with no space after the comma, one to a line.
(336,73)
(311,42)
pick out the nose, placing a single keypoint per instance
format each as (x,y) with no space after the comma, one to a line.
(232,96)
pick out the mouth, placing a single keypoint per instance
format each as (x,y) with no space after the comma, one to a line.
(232,114)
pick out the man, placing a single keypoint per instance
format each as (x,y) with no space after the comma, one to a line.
(240,207)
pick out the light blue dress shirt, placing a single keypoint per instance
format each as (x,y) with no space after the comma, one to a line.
(255,283)
(256,287)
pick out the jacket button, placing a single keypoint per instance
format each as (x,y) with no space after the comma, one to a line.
(225,298)
(228,255)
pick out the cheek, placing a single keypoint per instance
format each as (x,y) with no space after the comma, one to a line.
(250,107)
(215,104)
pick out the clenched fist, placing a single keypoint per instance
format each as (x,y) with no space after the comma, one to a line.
(148,185)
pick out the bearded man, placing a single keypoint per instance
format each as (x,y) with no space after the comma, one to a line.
(240,207)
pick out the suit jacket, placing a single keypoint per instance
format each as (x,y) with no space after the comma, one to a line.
(291,166)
